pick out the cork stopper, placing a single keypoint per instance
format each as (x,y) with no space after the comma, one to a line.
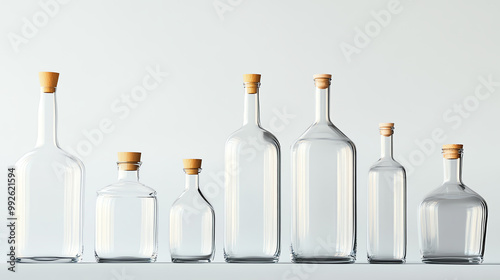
(452,151)
(192,165)
(252,82)
(48,81)
(386,129)
(129,160)
(322,81)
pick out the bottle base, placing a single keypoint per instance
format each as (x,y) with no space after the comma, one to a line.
(48,259)
(251,259)
(386,261)
(125,260)
(453,260)
(183,260)
(334,260)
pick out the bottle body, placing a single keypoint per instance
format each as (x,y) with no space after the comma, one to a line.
(252,190)
(49,206)
(452,219)
(192,227)
(323,197)
(50,189)
(126,221)
(323,189)
(387,208)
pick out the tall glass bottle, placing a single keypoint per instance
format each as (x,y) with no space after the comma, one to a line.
(252,192)
(386,205)
(323,189)
(126,216)
(49,191)
(192,221)
(453,217)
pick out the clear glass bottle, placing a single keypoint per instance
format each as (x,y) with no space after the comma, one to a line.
(126,228)
(453,217)
(386,205)
(50,187)
(323,189)
(252,187)
(192,221)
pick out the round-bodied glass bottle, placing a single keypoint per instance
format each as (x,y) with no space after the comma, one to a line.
(386,205)
(126,216)
(323,189)
(252,187)
(453,217)
(192,221)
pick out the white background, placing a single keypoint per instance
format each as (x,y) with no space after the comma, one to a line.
(415,71)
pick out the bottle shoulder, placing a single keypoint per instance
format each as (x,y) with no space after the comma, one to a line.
(387,164)
(135,189)
(248,134)
(326,131)
(54,155)
(192,198)
(453,192)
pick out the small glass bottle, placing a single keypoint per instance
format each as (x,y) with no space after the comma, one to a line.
(252,187)
(126,216)
(453,217)
(323,189)
(49,199)
(192,221)
(386,205)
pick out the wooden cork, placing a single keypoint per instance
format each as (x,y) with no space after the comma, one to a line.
(129,160)
(48,81)
(452,151)
(386,129)
(322,81)
(192,165)
(251,82)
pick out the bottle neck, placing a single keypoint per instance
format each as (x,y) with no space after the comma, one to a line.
(252,111)
(386,147)
(452,170)
(323,105)
(128,175)
(192,182)
(47,120)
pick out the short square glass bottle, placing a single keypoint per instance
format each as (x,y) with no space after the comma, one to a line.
(453,217)
(126,216)
(192,221)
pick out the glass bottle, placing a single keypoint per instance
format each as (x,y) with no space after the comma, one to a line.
(252,187)
(49,191)
(453,217)
(386,205)
(323,189)
(192,221)
(126,216)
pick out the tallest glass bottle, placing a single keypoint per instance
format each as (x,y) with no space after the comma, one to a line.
(323,189)
(252,198)
(49,191)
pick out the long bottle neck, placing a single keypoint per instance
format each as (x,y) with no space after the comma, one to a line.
(47,120)
(452,170)
(192,182)
(386,147)
(322,106)
(252,111)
